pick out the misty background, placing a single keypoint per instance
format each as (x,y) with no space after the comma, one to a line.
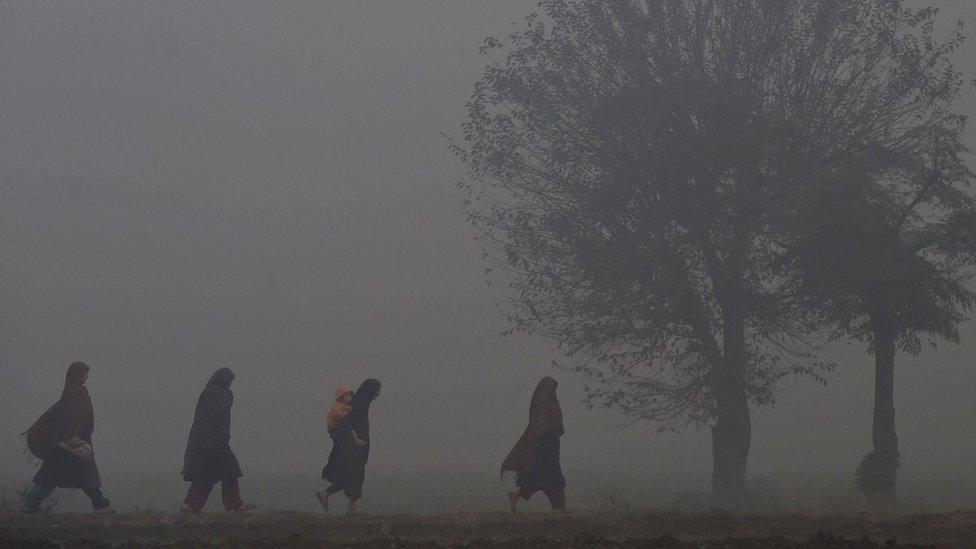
(266,187)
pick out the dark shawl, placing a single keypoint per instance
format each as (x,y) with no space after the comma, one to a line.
(208,457)
(346,467)
(545,420)
(72,415)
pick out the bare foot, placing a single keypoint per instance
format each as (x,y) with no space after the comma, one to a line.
(513,498)
(323,499)
(245,507)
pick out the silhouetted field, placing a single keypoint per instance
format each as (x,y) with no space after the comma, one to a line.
(441,493)
(487,530)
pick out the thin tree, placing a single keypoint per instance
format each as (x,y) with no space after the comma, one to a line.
(886,253)
(634,165)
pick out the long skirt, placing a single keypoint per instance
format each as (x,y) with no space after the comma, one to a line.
(211,466)
(544,474)
(66,470)
(346,469)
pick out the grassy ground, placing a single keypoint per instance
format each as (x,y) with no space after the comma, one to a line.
(440,493)
(487,530)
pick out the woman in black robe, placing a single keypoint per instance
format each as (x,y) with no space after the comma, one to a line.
(62,437)
(535,457)
(346,468)
(208,458)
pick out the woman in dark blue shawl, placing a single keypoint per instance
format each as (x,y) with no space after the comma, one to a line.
(208,458)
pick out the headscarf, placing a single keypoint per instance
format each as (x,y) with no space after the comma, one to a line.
(221,379)
(71,416)
(211,419)
(545,415)
(364,396)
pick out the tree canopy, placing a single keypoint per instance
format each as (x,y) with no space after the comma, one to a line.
(643,171)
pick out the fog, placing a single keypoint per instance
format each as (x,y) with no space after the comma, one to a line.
(185,186)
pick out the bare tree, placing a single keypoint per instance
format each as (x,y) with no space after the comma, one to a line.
(635,166)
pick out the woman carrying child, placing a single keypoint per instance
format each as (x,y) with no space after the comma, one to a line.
(346,468)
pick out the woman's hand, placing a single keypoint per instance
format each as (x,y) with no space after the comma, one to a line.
(356,441)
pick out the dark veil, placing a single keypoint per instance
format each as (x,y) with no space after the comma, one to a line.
(545,415)
(208,455)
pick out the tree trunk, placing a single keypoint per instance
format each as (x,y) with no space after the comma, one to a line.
(878,473)
(732,433)
(731,437)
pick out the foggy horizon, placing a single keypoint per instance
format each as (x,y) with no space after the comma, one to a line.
(268,188)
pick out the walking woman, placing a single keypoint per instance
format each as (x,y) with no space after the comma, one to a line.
(208,458)
(346,469)
(535,457)
(62,437)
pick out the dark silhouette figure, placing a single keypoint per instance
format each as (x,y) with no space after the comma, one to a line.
(346,468)
(62,437)
(535,457)
(208,458)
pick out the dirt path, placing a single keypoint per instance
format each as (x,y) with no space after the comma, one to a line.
(486,530)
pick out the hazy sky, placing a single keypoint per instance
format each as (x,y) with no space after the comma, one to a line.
(265,186)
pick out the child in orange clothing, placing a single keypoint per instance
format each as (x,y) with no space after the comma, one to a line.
(341,408)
